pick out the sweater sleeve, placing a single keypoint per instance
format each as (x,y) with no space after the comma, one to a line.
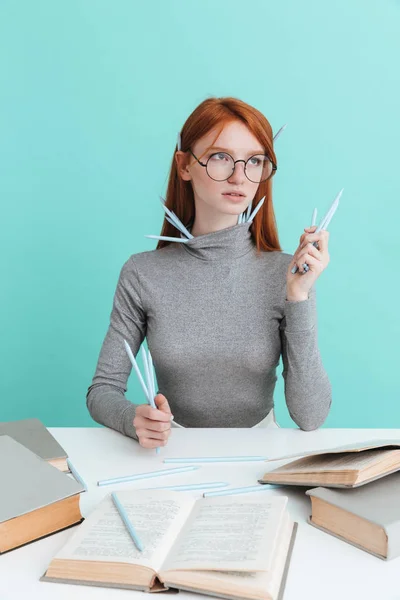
(105,398)
(308,391)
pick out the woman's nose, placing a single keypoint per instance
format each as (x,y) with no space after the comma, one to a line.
(238,174)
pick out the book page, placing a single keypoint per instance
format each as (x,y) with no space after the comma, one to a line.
(157,518)
(229,533)
(267,581)
(354,447)
(334,462)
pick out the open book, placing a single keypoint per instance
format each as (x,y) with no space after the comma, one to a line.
(344,466)
(225,546)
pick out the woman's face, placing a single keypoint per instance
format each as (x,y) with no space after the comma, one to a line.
(240,143)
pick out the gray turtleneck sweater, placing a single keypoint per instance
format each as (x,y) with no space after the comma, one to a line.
(216,320)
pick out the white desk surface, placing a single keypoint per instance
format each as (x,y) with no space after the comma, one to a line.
(322,567)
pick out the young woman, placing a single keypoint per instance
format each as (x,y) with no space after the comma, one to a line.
(220,307)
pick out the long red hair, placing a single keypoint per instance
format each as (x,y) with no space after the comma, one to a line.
(216,113)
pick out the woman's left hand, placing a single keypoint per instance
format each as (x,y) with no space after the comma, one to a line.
(299,284)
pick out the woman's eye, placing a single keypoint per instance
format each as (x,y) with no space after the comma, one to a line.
(219,156)
(256,161)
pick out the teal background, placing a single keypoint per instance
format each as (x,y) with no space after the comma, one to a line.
(92,96)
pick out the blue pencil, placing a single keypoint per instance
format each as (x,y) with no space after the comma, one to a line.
(244,217)
(255,211)
(209,459)
(127,522)
(148,369)
(314,218)
(279,132)
(146,475)
(193,486)
(323,225)
(76,474)
(178,223)
(149,390)
(138,373)
(241,490)
(167,238)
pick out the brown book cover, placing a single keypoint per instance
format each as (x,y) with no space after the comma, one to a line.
(31,487)
(376,504)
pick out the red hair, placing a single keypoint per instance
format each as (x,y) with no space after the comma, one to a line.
(216,113)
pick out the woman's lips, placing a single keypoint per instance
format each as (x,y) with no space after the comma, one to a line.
(234,198)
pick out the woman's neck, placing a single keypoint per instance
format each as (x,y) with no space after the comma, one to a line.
(204,226)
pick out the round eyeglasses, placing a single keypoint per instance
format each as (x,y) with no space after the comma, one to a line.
(220,166)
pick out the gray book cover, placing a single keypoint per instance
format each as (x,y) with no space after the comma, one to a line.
(28,482)
(378,502)
(32,434)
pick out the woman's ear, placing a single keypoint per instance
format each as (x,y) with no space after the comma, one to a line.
(182,165)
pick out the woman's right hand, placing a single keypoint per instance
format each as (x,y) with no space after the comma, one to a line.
(153,425)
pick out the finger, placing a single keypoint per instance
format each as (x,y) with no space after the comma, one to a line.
(305,238)
(142,423)
(146,442)
(300,261)
(156,426)
(307,231)
(158,415)
(162,403)
(309,249)
(148,412)
(313,237)
(150,433)
(313,263)
(159,435)
(322,238)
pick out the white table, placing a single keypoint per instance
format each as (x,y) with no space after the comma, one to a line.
(322,566)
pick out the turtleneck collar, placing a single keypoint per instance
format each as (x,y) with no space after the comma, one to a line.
(225,244)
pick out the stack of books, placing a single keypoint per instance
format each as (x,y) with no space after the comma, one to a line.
(358,493)
(37,497)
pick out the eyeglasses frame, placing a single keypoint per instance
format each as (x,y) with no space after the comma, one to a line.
(274,166)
